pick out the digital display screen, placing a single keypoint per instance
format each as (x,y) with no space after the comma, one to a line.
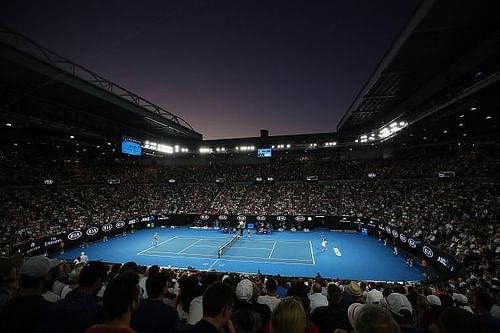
(250,226)
(131,147)
(264,152)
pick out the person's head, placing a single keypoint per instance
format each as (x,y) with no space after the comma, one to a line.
(271,285)
(129,266)
(354,289)
(9,267)
(92,276)
(374,296)
(334,294)
(316,287)
(458,320)
(190,289)
(121,296)
(244,290)
(375,319)
(156,285)
(400,307)
(35,272)
(218,300)
(289,316)
(74,275)
(482,302)
(155,269)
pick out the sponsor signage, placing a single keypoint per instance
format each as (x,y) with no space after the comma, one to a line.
(92,231)
(204,217)
(241,218)
(52,241)
(119,224)
(107,227)
(300,218)
(74,235)
(222,217)
(412,243)
(428,251)
(281,218)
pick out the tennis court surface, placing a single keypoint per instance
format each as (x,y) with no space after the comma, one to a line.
(298,252)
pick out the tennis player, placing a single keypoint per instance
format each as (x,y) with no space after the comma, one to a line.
(155,239)
(324,244)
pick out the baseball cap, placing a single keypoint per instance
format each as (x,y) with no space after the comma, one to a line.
(244,290)
(433,300)
(7,263)
(398,302)
(461,299)
(374,296)
(36,266)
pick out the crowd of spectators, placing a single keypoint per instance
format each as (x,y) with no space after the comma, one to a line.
(32,168)
(459,215)
(49,295)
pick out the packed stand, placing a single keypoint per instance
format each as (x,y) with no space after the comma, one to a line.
(49,295)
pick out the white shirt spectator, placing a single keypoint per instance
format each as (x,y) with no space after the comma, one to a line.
(269,300)
(142,285)
(57,287)
(195,310)
(317,300)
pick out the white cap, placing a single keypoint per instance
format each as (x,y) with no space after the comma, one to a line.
(397,302)
(374,296)
(460,298)
(433,300)
(244,290)
(36,266)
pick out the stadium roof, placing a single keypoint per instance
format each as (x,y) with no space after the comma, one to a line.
(41,89)
(445,43)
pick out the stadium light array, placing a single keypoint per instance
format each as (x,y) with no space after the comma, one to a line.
(246,148)
(383,133)
(206,150)
(164,148)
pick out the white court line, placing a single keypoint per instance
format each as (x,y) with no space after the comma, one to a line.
(199,240)
(276,240)
(272,250)
(152,247)
(312,254)
(242,261)
(235,246)
(205,238)
(209,268)
(166,253)
(226,256)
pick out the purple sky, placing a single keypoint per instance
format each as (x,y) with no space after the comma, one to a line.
(229,68)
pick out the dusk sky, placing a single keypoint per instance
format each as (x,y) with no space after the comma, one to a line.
(229,68)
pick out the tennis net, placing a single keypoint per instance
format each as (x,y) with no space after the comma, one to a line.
(226,246)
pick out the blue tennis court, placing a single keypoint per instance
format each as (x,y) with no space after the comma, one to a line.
(245,249)
(349,255)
